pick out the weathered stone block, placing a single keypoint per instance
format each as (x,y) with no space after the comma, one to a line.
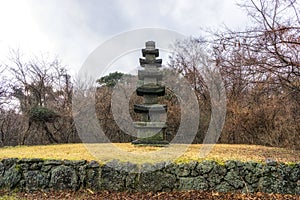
(46,168)
(294,174)
(156,181)
(183,170)
(249,166)
(92,179)
(53,162)
(233,179)
(219,169)
(92,164)
(76,163)
(224,187)
(2,169)
(297,189)
(11,177)
(30,160)
(272,185)
(8,162)
(35,180)
(117,176)
(205,166)
(63,178)
(251,178)
(195,183)
(214,180)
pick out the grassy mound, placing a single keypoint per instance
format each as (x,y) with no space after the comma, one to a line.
(103,152)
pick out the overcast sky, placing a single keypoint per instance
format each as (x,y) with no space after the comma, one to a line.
(72,29)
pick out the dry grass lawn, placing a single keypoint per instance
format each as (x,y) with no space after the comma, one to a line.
(141,154)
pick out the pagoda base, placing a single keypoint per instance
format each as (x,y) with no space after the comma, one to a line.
(145,142)
(150,134)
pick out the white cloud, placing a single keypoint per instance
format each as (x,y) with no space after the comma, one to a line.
(18,29)
(73,28)
(185,16)
(65,23)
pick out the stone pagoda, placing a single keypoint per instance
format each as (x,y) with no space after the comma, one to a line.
(151,130)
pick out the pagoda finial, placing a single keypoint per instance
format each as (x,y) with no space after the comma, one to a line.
(150,45)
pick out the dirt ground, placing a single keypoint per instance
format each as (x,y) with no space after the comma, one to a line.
(90,195)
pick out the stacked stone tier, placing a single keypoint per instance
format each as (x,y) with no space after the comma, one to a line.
(147,108)
(142,74)
(154,52)
(156,62)
(151,89)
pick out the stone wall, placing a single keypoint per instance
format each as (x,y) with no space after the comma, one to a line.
(39,174)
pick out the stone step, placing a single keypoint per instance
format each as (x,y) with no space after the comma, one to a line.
(150,142)
(149,125)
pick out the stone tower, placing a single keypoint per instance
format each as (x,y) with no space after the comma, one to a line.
(151,130)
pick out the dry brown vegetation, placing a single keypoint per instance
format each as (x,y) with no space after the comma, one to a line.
(189,195)
(260,70)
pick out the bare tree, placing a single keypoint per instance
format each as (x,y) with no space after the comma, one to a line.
(187,61)
(268,50)
(261,69)
(9,118)
(44,92)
